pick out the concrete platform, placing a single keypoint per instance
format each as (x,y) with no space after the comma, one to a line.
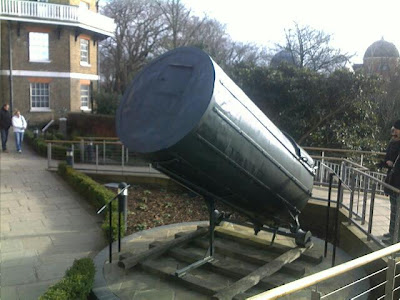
(113,282)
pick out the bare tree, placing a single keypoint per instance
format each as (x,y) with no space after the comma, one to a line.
(310,49)
(147,28)
(137,34)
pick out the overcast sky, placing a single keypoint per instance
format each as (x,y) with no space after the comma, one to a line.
(354,24)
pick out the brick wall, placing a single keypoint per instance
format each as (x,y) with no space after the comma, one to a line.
(4,59)
(75,55)
(4,90)
(58,48)
(92,3)
(59,99)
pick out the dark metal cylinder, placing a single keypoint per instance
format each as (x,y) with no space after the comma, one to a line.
(197,126)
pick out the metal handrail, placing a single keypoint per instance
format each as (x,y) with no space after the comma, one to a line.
(97,138)
(378,181)
(339,159)
(79,141)
(343,150)
(311,280)
(121,192)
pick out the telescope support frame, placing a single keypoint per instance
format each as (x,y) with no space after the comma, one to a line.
(210,252)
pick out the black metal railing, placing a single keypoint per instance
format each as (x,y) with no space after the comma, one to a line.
(122,198)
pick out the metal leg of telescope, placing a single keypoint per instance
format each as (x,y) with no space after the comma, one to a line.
(210,253)
(274,236)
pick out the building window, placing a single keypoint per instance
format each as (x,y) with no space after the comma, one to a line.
(84,51)
(84,5)
(40,99)
(38,46)
(85,97)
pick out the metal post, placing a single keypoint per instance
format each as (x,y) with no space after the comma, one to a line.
(73,154)
(371,211)
(321,174)
(327,214)
(336,237)
(390,275)
(104,152)
(352,187)
(362,159)
(97,158)
(212,226)
(343,171)
(111,232)
(122,157)
(127,155)
(120,204)
(68,157)
(364,208)
(48,155)
(10,65)
(123,199)
(82,151)
(315,295)
(358,183)
(397,221)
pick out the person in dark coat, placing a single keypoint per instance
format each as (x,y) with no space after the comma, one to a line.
(392,162)
(5,124)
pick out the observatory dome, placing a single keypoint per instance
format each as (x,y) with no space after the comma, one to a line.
(381,48)
(282,56)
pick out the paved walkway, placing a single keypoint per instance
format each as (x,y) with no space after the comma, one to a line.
(44,225)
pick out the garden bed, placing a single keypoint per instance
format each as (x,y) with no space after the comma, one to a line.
(150,206)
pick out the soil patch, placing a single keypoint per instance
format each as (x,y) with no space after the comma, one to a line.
(150,206)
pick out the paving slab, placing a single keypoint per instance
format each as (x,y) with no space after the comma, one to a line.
(36,206)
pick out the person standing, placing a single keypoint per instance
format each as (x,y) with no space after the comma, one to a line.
(5,124)
(19,125)
(392,162)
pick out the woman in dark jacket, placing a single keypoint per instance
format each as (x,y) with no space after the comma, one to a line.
(392,162)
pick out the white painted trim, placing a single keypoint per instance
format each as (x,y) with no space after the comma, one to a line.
(85,108)
(40,109)
(40,61)
(26,73)
(85,64)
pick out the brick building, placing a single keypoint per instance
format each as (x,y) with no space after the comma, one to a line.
(54,48)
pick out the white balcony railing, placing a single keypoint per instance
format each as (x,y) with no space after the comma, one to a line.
(58,14)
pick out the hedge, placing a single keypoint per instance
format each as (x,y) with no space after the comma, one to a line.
(76,284)
(95,193)
(91,125)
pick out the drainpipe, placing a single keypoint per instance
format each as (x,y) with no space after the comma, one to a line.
(98,67)
(10,65)
(98,54)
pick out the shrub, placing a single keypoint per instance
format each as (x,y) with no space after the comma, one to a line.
(76,284)
(106,103)
(95,193)
(83,124)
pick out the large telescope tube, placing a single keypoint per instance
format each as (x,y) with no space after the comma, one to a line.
(199,128)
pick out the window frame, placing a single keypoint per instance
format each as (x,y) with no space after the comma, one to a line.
(32,86)
(84,5)
(87,61)
(34,48)
(83,107)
